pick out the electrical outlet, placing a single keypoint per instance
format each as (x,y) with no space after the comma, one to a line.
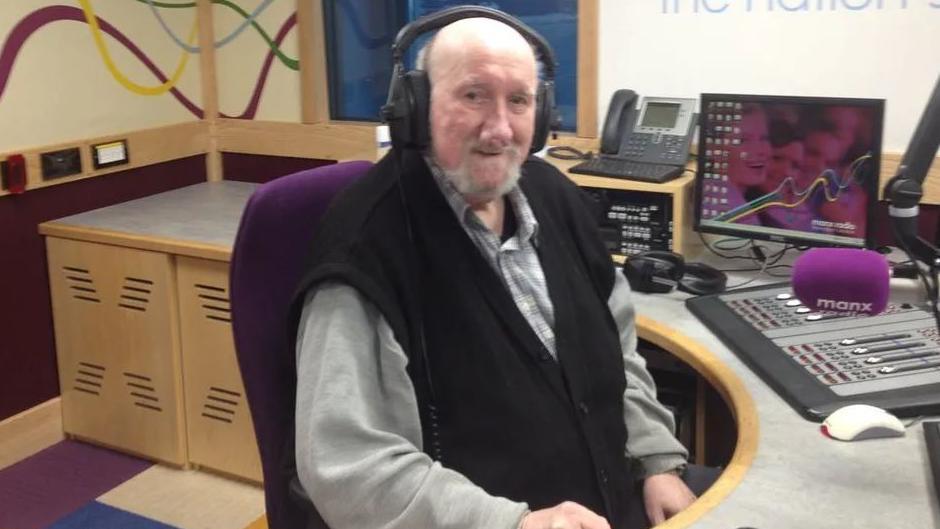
(58,164)
(108,154)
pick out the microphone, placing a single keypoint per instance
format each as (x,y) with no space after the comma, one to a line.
(842,280)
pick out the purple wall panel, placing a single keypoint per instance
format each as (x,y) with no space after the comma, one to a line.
(260,168)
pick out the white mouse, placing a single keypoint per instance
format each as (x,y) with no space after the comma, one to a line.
(861,421)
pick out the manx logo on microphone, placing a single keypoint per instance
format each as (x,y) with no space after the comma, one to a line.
(841,305)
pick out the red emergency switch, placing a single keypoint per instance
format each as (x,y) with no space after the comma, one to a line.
(14,178)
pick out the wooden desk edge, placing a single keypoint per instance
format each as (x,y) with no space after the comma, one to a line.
(735,395)
(170,246)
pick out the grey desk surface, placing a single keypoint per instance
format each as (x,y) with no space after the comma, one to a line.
(206,213)
(798,478)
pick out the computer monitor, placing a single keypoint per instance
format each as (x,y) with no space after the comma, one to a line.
(799,170)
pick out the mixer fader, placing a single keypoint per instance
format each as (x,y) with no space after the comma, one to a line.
(819,361)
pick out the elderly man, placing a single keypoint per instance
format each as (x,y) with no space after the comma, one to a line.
(466,354)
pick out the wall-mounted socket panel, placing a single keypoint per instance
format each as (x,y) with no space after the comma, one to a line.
(110,153)
(58,164)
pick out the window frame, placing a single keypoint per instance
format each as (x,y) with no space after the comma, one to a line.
(315,94)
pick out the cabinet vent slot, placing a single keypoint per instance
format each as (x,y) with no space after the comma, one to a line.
(142,392)
(135,294)
(81,284)
(221,404)
(214,301)
(89,378)
(96,367)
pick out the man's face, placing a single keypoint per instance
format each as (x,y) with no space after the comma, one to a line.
(482,117)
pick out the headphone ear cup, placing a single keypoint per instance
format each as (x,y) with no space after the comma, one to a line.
(394,112)
(638,272)
(641,272)
(419,88)
(407,110)
(544,115)
(669,265)
(701,279)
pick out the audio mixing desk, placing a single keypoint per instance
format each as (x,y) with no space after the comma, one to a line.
(821,361)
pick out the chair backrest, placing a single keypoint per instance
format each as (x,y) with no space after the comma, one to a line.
(267,261)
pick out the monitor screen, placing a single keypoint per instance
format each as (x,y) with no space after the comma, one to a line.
(661,115)
(800,170)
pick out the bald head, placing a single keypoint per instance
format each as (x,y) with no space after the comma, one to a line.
(454,42)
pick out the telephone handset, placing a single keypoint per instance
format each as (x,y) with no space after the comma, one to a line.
(659,132)
(619,117)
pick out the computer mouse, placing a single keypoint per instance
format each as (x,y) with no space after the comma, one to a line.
(861,421)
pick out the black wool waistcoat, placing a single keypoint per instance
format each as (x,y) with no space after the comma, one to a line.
(495,406)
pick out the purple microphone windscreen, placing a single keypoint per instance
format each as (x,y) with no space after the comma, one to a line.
(842,280)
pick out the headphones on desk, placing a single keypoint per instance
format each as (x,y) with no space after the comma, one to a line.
(409,93)
(659,272)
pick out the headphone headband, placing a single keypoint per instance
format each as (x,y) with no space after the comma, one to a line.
(437,20)
(409,92)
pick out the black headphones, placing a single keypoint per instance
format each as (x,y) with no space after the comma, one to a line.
(659,272)
(409,93)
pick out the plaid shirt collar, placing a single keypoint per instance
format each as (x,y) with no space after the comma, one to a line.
(527,225)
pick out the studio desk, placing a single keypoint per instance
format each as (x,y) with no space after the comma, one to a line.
(147,366)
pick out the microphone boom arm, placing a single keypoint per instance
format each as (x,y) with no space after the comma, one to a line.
(905,189)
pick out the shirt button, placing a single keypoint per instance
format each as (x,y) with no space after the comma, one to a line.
(603,476)
(583,407)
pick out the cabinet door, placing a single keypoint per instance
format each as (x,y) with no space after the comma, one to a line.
(219,427)
(117,345)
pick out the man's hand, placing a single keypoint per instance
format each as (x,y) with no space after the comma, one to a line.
(567,515)
(664,495)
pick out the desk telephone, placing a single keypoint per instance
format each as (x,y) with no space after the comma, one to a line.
(650,144)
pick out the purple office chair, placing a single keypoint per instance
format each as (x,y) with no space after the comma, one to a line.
(267,261)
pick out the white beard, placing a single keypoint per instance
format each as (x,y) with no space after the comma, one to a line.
(463,181)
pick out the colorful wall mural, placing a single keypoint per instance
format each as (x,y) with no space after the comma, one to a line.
(85,68)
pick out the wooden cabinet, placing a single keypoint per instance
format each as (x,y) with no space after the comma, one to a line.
(219,427)
(143,330)
(117,339)
(146,356)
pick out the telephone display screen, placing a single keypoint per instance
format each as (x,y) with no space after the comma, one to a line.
(660,115)
(792,169)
